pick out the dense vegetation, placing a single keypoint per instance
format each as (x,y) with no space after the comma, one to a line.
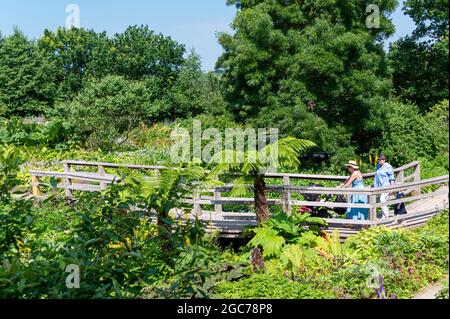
(311,68)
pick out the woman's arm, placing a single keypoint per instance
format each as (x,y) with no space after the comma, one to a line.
(350,180)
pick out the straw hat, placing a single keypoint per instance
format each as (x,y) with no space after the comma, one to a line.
(352,164)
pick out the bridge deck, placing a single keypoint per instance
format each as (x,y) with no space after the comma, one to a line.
(231,225)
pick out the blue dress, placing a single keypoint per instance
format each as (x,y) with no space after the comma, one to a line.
(358,213)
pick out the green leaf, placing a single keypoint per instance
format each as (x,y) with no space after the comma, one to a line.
(269,241)
(53,182)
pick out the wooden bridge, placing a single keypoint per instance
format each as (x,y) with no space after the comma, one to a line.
(424,198)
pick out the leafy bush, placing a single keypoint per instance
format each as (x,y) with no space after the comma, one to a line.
(443,293)
(281,229)
(409,136)
(15,215)
(17,132)
(106,111)
(270,286)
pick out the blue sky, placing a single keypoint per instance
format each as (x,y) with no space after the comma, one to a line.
(193,23)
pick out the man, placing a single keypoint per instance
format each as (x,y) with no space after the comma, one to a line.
(384,177)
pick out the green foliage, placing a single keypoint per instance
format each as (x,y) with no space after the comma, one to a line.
(293,258)
(408,260)
(443,293)
(27,79)
(332,248)
(415,63)
(17,132)
(111,237)
(423,57)
(431,17)
(408,135)
(14,213)
(138,53)
(269,240)
(281,230)
(192,93)
(270,286)
(305,57)
(76,54)
(109,108)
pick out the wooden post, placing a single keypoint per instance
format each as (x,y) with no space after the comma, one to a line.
(36,188)
(286,196)
(101,171)
(217,196)
(197,210)
(400,177)
(67,181)
(373,209)
(417,178)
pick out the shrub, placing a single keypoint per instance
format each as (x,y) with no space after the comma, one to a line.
(106,111)
(409,136)
(443,293)
(270,286)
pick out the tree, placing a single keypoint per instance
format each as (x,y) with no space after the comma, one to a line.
(431,17)
(76,53)
(191,94)
(27,83)
(318,54)
(106,111)
(138,53)
(253,165)
(423,57)
(410,135)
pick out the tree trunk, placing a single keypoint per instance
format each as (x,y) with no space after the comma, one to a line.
(261,207)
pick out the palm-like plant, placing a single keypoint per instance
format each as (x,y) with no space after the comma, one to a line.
(252,166)
(165,191)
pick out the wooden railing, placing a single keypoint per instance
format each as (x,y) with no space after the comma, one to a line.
(71,180)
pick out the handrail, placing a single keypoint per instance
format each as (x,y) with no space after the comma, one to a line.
(396,170)
(286,190)
(268,175)
(113,165)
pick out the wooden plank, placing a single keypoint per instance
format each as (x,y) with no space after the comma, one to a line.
(77,175)
(268,175)
(113,165)
(306,176)
(426,182)
(397,218)
(320,190)
(81,187)
(373,207)
(413,198)
(396,170)
(208,200)
(329,204)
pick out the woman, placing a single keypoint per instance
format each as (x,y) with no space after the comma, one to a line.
(384,177)
(356,181)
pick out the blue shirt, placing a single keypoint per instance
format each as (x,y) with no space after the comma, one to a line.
(384,175)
